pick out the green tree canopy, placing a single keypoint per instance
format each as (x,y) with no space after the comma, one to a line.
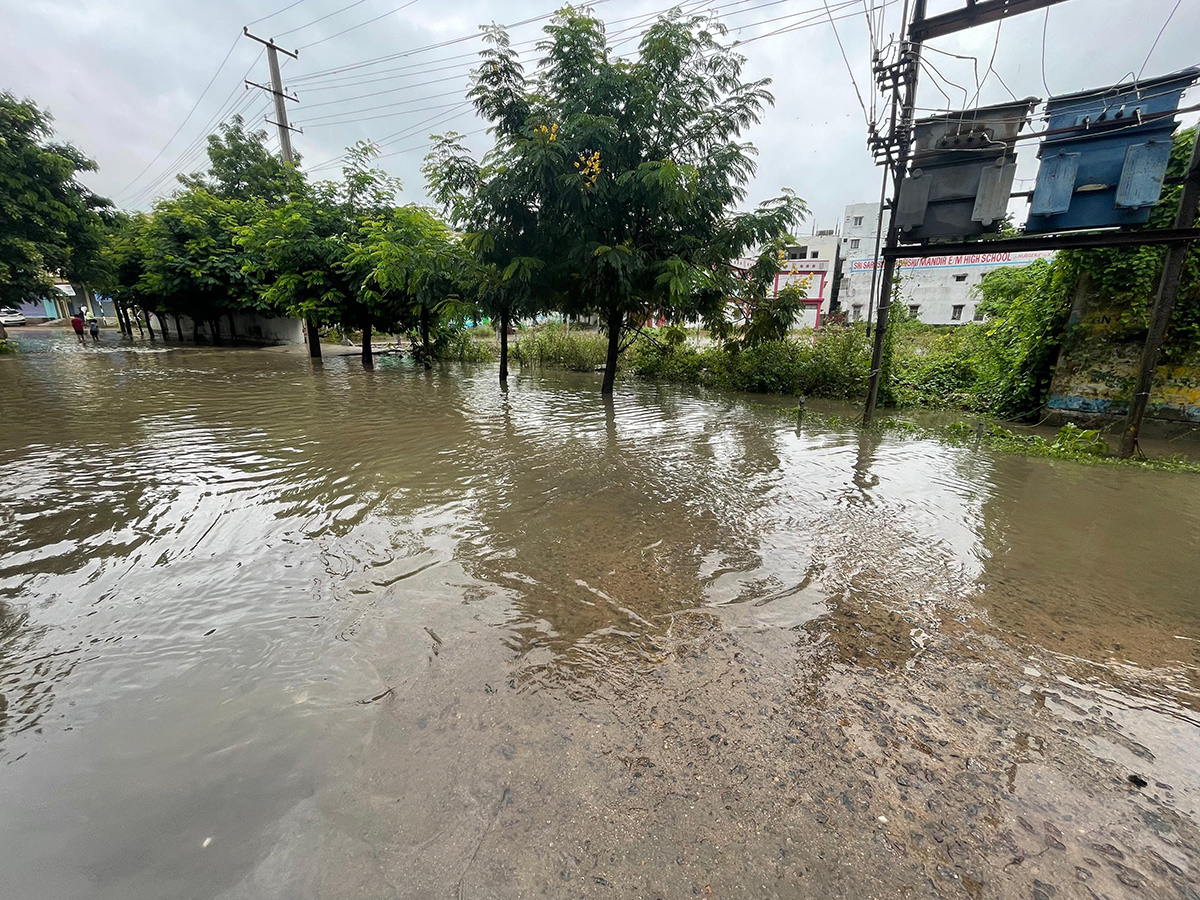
(300,251)
(240,167)
(614,183)
(50,224)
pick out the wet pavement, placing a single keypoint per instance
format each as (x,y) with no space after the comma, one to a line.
(270,630)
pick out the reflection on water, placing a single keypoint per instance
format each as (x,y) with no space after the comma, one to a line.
(210,558)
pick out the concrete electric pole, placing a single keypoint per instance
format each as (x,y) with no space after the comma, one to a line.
(276,90)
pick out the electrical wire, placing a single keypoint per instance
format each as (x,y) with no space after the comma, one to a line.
(274,14)
(336,12)
(186,118)
(370,109)
(846,60)
(1158,37)
(1045,26)
(991,63)
(437,46)
(359,25)
(375,118)
(197,152)
(221,112)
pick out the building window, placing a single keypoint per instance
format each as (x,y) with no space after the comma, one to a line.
(854,244)
(857,310)
(812,255)
(956,312)
(914,310)
(960,277)
(858,220)
(978,314)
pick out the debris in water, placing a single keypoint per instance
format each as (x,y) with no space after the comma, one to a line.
(390,692)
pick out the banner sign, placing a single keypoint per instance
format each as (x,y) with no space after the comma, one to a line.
(959,261)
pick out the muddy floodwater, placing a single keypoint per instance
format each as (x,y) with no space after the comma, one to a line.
(273,630)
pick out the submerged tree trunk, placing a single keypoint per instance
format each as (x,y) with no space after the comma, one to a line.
(314,339)
(163,327)
(425,351)
(504,347)
(138,319)
(232,330)
(195,331)
(179,328)
(614,348)
(215,326)
(367,353)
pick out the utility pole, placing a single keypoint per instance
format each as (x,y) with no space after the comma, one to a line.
(285,141)
(1164,305)
(902,121)
(276,89)
(894,147)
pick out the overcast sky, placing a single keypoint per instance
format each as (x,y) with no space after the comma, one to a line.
(120,76)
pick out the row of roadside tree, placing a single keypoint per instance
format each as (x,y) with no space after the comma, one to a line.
(613,188)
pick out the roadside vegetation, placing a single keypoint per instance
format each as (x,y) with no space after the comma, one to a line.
(613,192)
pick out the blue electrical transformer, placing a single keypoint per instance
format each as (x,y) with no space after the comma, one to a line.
(1103,162)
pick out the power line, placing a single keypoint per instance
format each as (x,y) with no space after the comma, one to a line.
(193,155)
(437,46)
(383,116)
(322,18)
(359,25)
(1170,16)
(846,60)
(186,119)
(219,115)
(277,12)
(370,109)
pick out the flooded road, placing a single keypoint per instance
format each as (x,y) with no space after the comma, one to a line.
(270,630)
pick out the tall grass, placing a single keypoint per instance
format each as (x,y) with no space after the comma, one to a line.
(555,346)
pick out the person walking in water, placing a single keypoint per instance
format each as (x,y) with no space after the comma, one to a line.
(77,324)
(94,329)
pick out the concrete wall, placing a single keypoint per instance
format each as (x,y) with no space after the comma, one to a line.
(1097,369)
(249,326)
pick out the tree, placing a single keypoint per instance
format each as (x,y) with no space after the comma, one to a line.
(615,183)
(124,267)
(409,264)
(50,224)
(504,233)
(636,171)
(762,314)
(300,250)
(192,265)
(240,167)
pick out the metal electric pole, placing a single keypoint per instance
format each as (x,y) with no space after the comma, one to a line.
(1164,304)
(901,80)
(276,90)
(903,112)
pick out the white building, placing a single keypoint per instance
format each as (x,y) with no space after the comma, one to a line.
(938,290)
(811,265)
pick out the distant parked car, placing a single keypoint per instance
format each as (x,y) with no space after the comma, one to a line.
(11,317)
